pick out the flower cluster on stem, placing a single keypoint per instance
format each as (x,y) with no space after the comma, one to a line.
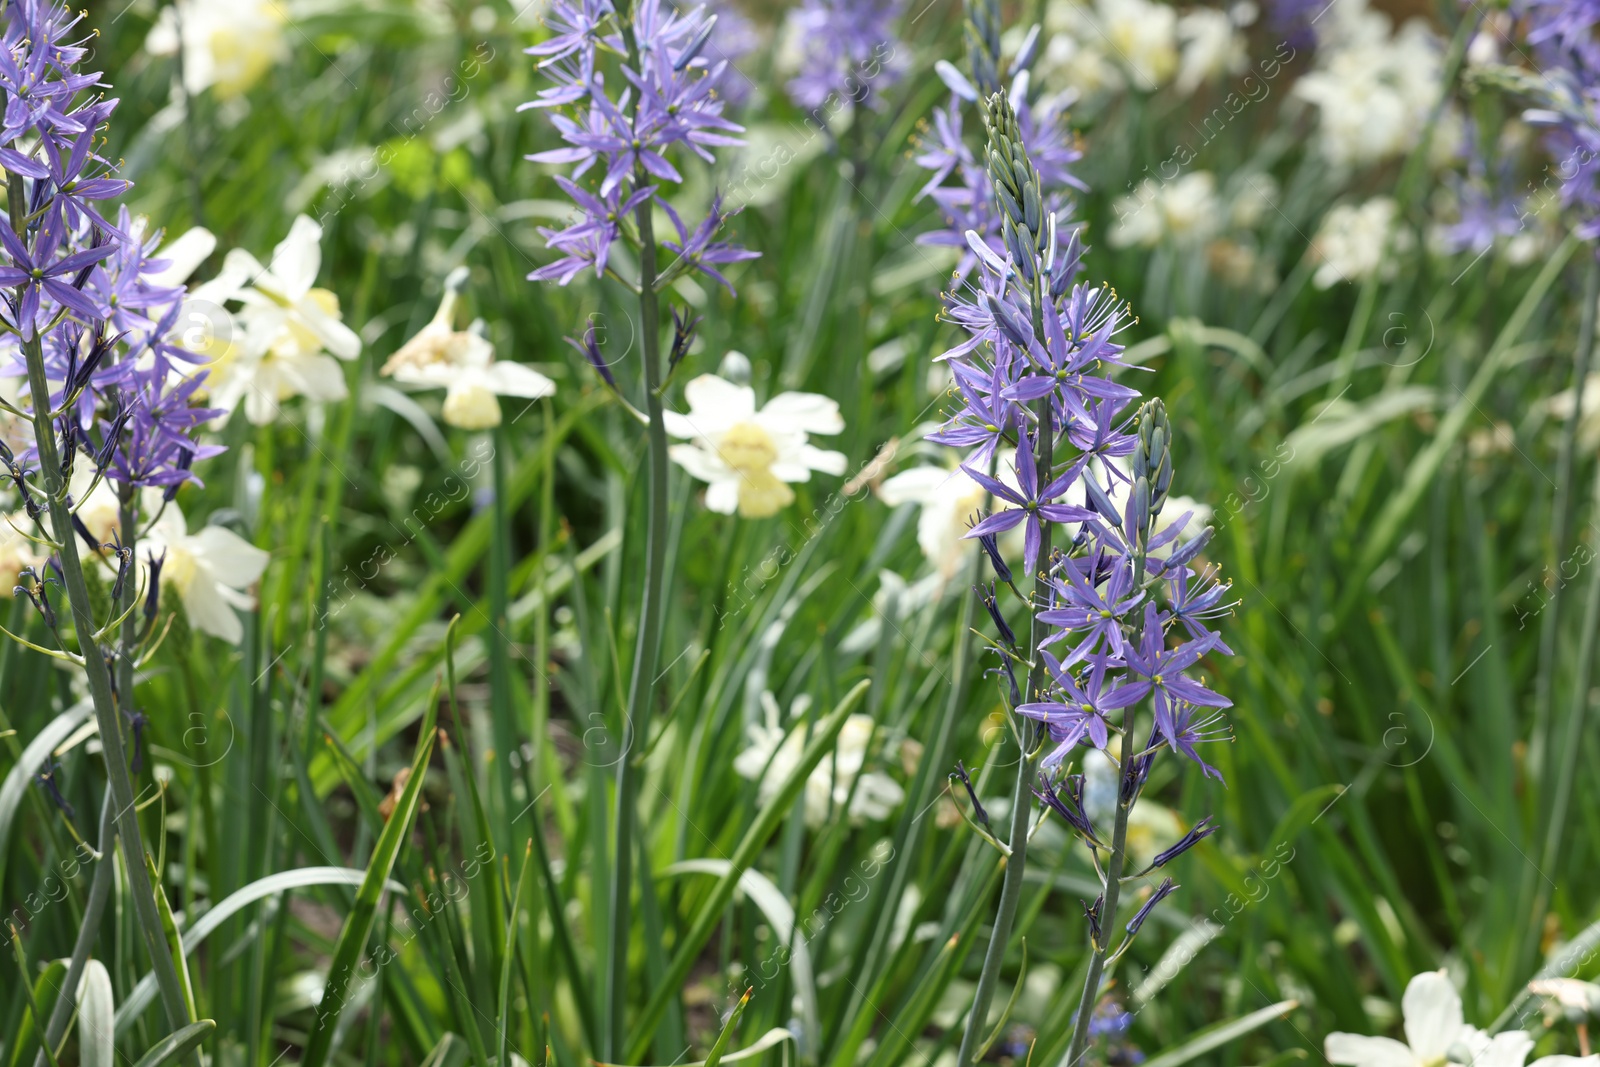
(632,89)
(1119,610)
(86,315)
(959,181)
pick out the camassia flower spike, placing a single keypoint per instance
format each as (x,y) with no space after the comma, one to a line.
(1114,585)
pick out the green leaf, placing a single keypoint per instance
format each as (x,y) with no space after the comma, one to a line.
(1214,1037)
(231,905)
(508,957)
(1385,531)
(39,749)
(178,1044)
(780,916)
(25,1040)
(358,924)
(723,1038)
(97,1010)
(169,927)
(688,949)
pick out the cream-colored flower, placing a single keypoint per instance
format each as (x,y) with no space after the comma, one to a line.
(284,330)
(463,364)
(16,551)
(210,571)
(1587,400)
(748,457)
(1255,196)
(1143,36)
(17,433)
(1212,48)
(1350,243)
(98,508)
(1373,90)
(949,500)
(1433,1023)
(227,44)
(841,777)
(1073,62)
(182,255)
(1434,1026)
(1184,209)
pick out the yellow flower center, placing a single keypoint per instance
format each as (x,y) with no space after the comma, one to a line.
(304,341)
(749,449)
(220,357)
(471,407)
(762,494)
(179,569)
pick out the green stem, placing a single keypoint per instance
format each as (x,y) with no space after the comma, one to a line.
(99,893)
(95,666)
(1560,521)
(1108,907)
(641,688)
(1028,760)
(912,829)
(501,705)
(1572,742)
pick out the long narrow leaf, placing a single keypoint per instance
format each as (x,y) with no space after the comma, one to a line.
(822,742)
(235,902)
(358,924)
(1214,1037)
(178,1044)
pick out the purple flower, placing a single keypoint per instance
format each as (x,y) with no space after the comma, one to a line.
(849,51)
(90,296)
(1087,613)
(37,270)
(1162,669)
(1081,710)
(575,27)
(668,104)
(1032,503)
(699,251)
(588,242)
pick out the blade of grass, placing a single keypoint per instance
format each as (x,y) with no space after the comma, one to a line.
(358,924)
(178,1044)
(1387,528)
(767,820)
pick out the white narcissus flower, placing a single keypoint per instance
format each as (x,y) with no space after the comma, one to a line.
(1185,209)
(182,255)
(1434,1025)
(210,571)
(1374,90)
(16,551)
(1350,242)
(287,323)
(98,508)
(1143,35)
(463,364)
(227,44)
(775,751)
(748,457)
(948,499)
(1212,47)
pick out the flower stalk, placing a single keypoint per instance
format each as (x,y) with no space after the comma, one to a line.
(1122,591)
(1022,231)
(94,661)
(641,686)
(675,106)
